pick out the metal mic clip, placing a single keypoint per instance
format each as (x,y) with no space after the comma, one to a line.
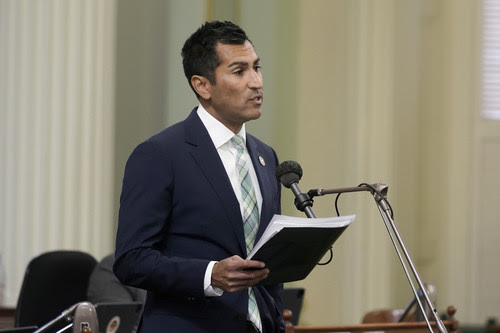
(315,192)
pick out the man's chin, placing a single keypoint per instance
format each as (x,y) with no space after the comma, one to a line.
(255,114)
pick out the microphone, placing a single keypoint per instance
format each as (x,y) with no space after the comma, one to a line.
(82,316)
(289,173)
(85,319)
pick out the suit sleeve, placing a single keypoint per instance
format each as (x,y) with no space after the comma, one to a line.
(145,206)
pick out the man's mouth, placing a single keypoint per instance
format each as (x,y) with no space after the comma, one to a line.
(256,98)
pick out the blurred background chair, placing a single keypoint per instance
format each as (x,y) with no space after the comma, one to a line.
(53,281)
(104,286)
(292,300)
(412,311)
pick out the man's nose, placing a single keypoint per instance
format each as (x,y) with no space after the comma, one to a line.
(256,81)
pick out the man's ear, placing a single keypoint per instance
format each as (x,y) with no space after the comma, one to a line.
(201,85)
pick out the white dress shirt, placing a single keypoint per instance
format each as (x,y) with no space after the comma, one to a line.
(221,137)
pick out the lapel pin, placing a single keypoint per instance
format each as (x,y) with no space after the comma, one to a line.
(261,160)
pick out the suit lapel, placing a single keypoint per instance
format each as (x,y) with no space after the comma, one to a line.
(207,158)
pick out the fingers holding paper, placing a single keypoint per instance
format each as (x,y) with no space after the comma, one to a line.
(234,273)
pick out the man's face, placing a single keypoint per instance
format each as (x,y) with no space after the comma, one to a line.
(236,97)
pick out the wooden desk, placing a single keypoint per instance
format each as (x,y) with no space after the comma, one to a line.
(7,317)
(414,327)
(391,327)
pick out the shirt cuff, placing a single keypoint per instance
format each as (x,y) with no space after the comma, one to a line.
(207,287)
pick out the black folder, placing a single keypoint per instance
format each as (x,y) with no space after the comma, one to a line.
(291,247)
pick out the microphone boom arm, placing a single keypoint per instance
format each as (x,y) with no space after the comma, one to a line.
(379,192)
(379,187)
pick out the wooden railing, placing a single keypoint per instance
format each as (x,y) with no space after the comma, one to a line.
(400,327)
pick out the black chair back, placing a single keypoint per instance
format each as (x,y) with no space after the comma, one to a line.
(53,282)
(292,300)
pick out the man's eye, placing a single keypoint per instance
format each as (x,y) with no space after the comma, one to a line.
(238,72)
(257,68)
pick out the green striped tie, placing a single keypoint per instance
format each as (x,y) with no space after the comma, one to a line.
(250,217)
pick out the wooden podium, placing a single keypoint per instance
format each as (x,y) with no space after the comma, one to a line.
(392,327)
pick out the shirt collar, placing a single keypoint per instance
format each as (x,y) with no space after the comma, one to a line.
(219,133)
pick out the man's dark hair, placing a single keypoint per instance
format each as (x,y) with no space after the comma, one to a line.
(198,54)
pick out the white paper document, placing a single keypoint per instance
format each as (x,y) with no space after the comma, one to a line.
(278,222)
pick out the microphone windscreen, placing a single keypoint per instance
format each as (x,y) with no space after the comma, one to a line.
(85,318)
(288,172)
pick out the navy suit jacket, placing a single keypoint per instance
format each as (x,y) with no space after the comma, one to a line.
(178,212)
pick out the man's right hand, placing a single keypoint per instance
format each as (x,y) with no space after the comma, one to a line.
(234,273)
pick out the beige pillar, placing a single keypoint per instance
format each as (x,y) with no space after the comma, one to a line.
(56,129)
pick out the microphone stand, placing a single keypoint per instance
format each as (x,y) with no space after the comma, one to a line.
(379,192)
(66,318)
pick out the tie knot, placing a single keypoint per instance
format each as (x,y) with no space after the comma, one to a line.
(238,141)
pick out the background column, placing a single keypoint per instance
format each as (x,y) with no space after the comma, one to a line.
(56,130)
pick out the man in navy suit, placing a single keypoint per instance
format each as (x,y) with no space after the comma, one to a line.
(180,234)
